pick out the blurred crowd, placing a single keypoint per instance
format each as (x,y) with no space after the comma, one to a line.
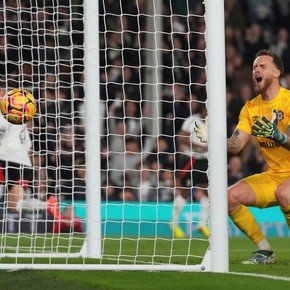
(249,27)
(44,52)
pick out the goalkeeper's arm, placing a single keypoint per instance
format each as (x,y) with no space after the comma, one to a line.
(237,141)
(234,144)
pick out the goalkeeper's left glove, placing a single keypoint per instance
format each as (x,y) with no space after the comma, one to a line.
(201,131)
(267,129)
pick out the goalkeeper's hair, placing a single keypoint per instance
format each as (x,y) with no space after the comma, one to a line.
(276,59)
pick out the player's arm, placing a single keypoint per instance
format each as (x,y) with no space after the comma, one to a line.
(237,141)
(234,144)
(184,139)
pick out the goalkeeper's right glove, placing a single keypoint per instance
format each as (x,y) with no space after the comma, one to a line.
(201,131)
(267,129)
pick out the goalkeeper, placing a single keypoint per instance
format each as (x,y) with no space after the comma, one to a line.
(267,117)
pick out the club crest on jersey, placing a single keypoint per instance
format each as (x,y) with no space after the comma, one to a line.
(280,115)
(277,115)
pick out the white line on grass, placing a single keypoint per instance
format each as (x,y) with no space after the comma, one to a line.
(262,276)
(243,250)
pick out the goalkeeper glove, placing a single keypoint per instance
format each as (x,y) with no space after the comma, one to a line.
(267,129)
(201,131)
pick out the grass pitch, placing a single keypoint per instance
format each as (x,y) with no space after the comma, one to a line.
(241,277)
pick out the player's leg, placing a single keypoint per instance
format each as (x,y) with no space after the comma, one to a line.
(63,222)
(52,208)
(18,179)
(282,194)
(15,196)
(14,174)
(31,204)
(200,181)
(72,221)
(257,190)
(201,196)
(22,192)
(178,205)
(182,189)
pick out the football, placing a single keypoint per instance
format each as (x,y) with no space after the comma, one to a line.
(18,106)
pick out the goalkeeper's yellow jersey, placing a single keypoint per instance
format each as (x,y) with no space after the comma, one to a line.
(277,157)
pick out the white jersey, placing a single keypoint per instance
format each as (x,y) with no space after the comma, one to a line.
(188,126)
(15,143)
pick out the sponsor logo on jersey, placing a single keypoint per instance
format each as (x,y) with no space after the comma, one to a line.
(269,144)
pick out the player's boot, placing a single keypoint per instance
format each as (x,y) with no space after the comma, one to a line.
(53,207)
(54,210)
(204,230)
(177,231)
(261,257)
(78,227)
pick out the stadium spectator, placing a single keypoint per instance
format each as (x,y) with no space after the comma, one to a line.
(254,41)
(148,184)
(74,188)
(162,153)
(281,43)
(234,16)
(127,194)
(124,166)
(286,81)
(166,187)
(235,169)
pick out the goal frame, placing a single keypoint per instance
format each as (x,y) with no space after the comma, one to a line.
(216,259)
(217,145)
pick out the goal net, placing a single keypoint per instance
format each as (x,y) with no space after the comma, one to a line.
(118,180)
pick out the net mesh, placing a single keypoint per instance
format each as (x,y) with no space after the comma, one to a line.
(153,171)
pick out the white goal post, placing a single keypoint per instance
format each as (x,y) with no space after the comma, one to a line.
(216,89)
(114,83)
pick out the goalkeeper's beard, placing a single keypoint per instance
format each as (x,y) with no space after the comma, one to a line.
(260,89)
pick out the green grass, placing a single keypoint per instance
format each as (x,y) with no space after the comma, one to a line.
(240,248)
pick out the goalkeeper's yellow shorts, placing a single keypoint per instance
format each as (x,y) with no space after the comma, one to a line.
(264,185)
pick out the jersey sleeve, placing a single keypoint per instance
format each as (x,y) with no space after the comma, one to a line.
(245,120)
(186,125)
(3,125)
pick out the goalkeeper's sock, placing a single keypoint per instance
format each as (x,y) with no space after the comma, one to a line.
(286,212)
(246,222)
(264,245)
